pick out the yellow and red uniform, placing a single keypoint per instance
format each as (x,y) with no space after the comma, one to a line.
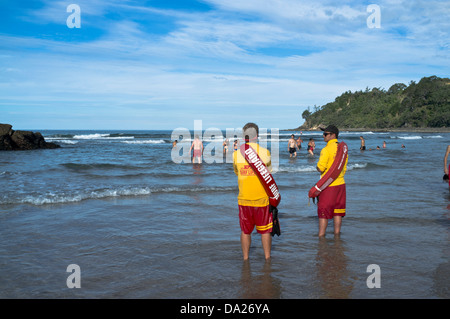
(332,200)
(251,191)
(327,155)
(252,199)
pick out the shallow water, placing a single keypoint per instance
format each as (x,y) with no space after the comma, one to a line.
(141,226)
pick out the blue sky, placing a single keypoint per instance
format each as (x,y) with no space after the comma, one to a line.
(163,64)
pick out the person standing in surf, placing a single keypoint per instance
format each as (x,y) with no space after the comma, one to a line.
(197,145)
(299,142)
(363,144)
(292,146)
(311,146)
(253,201)
(332,200)
(447,167)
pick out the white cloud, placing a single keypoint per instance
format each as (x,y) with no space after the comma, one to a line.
(288,9)
(299,16)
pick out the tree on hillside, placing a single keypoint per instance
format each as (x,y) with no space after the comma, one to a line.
(422,104)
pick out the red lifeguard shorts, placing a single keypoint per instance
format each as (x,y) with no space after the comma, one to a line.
(250,216)
(332,202)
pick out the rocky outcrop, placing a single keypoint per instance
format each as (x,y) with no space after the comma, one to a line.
(11,140)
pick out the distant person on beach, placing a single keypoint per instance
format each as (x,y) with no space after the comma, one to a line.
(332,200)
(384,144)
(311,146)
(236,145)
(174,144)
(253,201)
(225,146)
(447,167)
(363,144)
(299,142)
(403,145)
(197,145)
(292,146)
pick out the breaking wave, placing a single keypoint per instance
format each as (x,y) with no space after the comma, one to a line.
(145,142)
(78,196)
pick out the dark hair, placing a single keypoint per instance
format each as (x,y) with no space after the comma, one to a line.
(250,131)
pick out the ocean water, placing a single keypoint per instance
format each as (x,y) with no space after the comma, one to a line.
(140,225)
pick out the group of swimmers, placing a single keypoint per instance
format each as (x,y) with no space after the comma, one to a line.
(226,143)
(296,144)
(197,146)
(363,145)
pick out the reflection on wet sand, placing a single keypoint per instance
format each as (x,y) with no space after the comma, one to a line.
(261,285)
(441,280)
(197,174)
(331,265)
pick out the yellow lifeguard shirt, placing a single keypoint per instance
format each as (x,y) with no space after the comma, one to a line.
(251,191)
(327,155)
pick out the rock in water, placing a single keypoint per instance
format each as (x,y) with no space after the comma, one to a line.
(5,129)
(11,140)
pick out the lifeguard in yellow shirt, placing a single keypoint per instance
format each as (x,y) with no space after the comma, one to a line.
(332,200)
(253,200)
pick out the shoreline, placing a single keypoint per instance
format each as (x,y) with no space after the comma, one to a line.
(413,129)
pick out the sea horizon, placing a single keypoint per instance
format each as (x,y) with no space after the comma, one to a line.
(399,129)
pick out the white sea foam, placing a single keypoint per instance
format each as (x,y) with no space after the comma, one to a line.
(65,141)
(64,198)
(119,138)
(55,198)
(357,133)
(356,165)
(90,136)
(144,142)
(414,137)
(98,136)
